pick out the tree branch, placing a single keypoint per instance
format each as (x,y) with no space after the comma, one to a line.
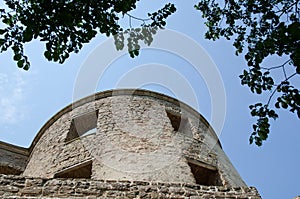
(275,67)
(137,18)
(274,91)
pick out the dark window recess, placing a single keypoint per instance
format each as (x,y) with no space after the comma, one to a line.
(83,170)
(9,170)
(205,176)
(83,125)
(175,120)
(180,123)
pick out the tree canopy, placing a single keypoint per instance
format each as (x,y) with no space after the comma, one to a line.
(65,26)
(258,29)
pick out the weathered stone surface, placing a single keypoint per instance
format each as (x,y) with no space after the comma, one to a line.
(139,137)
(123,144)
(83,188)
(13,159)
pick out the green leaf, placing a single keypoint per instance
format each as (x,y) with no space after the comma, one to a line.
(253,113)
(27,35)
(20,63)
(251,140)
(258,90)
(258,141)
(2,41)
(262,134)
(284,105)
(254,127)
(2,31)
(258,104)
(131,53)
(47,54)
(136,52)
(55,56)
(17,57)
(26,67)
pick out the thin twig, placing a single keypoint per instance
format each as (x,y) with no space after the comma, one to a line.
(269,100)
(284,72)
(275,67)
(274,91)
(288,7)
(140,19)
(223,15)
(136,18)
(130,22)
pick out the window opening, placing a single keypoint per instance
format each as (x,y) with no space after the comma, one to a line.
(83,125)
(204,175)
(82,170)
(180,123)
(175,120)
(9,170)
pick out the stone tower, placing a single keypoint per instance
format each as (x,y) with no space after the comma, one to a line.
(122,144)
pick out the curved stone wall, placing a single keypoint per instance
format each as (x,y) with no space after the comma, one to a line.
(130,135)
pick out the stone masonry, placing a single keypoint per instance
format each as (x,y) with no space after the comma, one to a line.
(122,144)
(20,187)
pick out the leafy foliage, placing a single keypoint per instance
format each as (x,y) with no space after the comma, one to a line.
(134,36)
(260,29)
(65,25)
(145,32)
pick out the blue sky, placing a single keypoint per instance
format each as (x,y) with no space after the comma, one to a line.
(29,99)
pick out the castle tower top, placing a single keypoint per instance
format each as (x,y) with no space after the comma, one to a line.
(131,135)
(126,136)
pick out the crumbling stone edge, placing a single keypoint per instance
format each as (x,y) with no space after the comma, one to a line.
(12,186)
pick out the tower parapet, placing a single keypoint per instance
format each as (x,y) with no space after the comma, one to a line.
(130,140)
